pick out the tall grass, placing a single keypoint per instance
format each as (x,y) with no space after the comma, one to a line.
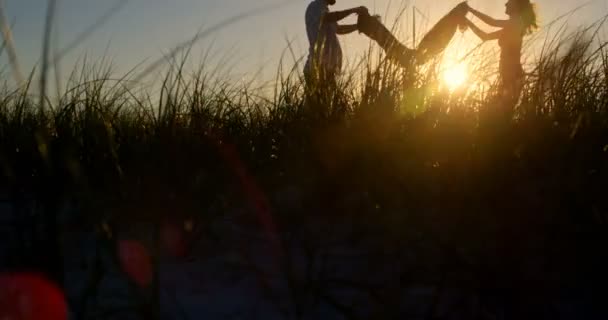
(101,120)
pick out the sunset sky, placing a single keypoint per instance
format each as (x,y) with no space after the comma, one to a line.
(145,29)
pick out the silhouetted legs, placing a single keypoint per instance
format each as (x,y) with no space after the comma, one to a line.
(323,95)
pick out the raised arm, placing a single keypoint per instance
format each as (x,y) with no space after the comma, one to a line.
(484,36)
(489,20)
(336,16)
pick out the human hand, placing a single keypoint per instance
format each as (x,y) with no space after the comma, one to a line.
(361,10)
(463,6)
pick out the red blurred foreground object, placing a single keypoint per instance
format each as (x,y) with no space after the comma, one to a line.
(173,240)
(30,297)
(135,261)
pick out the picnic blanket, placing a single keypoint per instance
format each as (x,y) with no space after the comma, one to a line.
(433,43)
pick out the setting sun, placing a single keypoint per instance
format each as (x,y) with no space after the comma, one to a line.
(454,76)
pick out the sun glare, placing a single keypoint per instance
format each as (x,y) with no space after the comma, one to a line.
(455,75)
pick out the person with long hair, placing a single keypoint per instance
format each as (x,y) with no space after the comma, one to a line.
(521,22)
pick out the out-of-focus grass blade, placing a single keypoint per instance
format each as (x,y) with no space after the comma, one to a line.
(90,30)
(7,34)
(202,34)
(46,48)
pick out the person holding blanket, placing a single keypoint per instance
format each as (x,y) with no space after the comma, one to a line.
(522,21)
(325,54)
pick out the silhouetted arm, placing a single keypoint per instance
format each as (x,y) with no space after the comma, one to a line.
(336,16)
(484,36)
(489,20)
(346,29)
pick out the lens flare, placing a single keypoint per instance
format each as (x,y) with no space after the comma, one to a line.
(135,261)
(27,296)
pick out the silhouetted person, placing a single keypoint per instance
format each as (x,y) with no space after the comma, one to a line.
(522,21)
(325,55)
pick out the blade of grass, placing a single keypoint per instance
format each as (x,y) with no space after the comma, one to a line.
(10,46)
